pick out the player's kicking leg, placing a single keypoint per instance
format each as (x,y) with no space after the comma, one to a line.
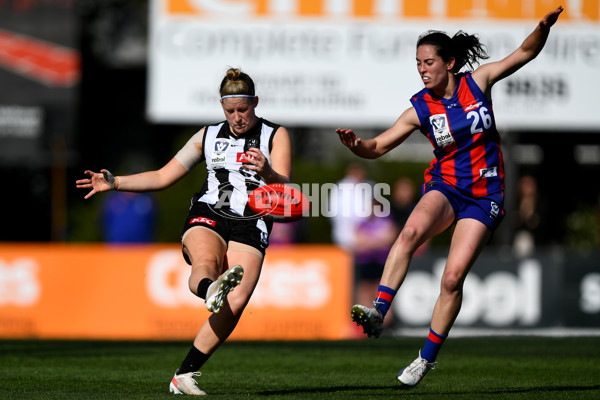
(371,318)
(219,289)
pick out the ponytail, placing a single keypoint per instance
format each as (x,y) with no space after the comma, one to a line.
(466,49)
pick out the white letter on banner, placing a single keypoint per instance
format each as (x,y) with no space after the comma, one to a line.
(530,276)
(414,302)
(284,7)
(589,288)
(163,265)
(470,310)
(19,283)
(224,7)
(501,292)
(387,7)
(294,285)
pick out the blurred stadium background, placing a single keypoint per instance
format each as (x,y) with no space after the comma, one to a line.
(122,85)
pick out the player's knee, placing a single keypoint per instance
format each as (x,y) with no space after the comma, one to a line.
(451,283)
(208,269)
(408,238)
(193,284)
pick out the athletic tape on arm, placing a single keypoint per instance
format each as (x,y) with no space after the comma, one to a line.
(188,156)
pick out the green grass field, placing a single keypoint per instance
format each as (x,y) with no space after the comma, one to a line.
(469,368)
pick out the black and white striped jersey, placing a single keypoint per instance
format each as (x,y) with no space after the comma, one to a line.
(228,182)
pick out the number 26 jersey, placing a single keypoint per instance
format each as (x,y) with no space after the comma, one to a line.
(463,133)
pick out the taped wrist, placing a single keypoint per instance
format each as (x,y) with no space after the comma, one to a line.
(110,179)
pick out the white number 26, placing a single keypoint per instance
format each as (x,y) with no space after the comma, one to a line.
(480,118)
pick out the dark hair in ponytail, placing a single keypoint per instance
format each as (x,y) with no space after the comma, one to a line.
(466,49)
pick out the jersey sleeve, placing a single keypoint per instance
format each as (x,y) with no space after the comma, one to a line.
(189,155)
(422,111)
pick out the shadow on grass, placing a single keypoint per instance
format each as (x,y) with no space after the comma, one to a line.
(328,389)
(411,391)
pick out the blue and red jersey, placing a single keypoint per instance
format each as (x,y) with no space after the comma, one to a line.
(463,133)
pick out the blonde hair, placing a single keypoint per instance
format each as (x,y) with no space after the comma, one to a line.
(236,82)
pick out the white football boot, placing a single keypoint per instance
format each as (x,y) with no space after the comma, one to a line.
(219,289)
(186,384)
(414,373)
(370,319)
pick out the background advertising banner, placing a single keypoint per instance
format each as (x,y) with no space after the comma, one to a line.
(581,305)
(498,292)
(141,292)
(342,62)
(304,293)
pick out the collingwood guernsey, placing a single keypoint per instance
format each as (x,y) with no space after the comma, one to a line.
(228,182)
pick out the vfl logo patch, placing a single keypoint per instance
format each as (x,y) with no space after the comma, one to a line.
(221,145)
(488,172)
(202,220)
(441,130)
(495,209)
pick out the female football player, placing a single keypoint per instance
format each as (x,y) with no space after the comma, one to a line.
(221,240)
(465,183)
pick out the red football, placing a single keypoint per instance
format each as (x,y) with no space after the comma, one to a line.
(284,203)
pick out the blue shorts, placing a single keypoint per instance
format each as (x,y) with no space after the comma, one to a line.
(489,210)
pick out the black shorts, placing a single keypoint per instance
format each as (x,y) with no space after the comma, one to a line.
(252,232)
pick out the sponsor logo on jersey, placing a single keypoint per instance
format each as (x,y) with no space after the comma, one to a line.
(202,220)
(441,130)
(239,157)
(488,172)
(473,106)
(221,145)
(218,161)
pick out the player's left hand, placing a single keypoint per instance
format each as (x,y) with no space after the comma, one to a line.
(550,18)
(256,161)
(348,137)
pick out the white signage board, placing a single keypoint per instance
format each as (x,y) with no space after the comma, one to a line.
(337,67)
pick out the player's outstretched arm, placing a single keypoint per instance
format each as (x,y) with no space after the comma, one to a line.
(104,181)
(488,74)
(384,142)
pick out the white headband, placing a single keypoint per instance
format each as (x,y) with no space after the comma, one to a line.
(237,95)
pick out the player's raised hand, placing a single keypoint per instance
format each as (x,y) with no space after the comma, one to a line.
(550,18)
(348,137)
(98,182)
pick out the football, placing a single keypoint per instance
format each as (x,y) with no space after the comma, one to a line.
(284,203)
